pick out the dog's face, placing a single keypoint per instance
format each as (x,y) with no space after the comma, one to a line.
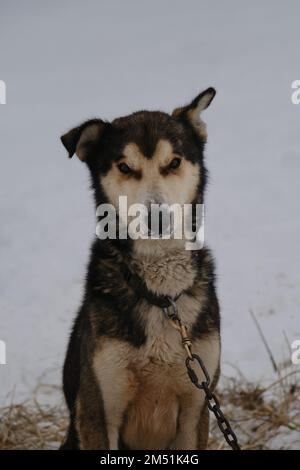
(163,175)
(150,157)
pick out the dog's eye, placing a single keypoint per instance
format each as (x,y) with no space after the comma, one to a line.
(175,163)
(124,168)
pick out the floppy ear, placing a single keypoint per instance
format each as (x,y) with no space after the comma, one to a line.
(82,138)
(192,112)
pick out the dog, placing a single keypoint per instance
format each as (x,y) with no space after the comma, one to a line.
(124,377)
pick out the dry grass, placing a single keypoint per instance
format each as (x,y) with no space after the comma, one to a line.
(28,426)
(262,418)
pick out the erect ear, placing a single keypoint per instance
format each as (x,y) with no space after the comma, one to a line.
(192,112)
(82,138)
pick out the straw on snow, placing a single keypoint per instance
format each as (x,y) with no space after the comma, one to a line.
(262,418)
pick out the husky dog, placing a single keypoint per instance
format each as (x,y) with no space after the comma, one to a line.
(125,380)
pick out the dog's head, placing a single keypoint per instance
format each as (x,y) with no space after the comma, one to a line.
(150,157)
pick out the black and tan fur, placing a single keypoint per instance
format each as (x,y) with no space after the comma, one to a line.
(125,381)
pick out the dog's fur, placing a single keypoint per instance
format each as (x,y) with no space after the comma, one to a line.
(125,380)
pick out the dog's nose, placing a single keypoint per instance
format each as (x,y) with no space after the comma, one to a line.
(155,223)
(158,219)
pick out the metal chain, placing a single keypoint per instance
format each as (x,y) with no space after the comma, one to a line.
(211,399)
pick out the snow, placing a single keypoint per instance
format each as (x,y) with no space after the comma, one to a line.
(64,62)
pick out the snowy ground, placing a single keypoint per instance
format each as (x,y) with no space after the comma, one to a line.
(66,61)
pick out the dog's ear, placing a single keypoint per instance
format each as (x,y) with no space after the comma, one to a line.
(192,112)
(82,139)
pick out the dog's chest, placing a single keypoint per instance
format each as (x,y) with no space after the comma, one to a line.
(162,340)
(169,274)
(158,379)
(163,346)
(150,379)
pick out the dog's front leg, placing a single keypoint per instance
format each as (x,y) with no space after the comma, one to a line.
(116,383)
(90,420)
(192,432)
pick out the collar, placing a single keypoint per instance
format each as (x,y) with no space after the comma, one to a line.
(142,291)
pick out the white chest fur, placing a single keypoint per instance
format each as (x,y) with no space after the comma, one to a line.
(146,384)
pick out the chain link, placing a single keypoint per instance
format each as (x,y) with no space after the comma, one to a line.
(211,399)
